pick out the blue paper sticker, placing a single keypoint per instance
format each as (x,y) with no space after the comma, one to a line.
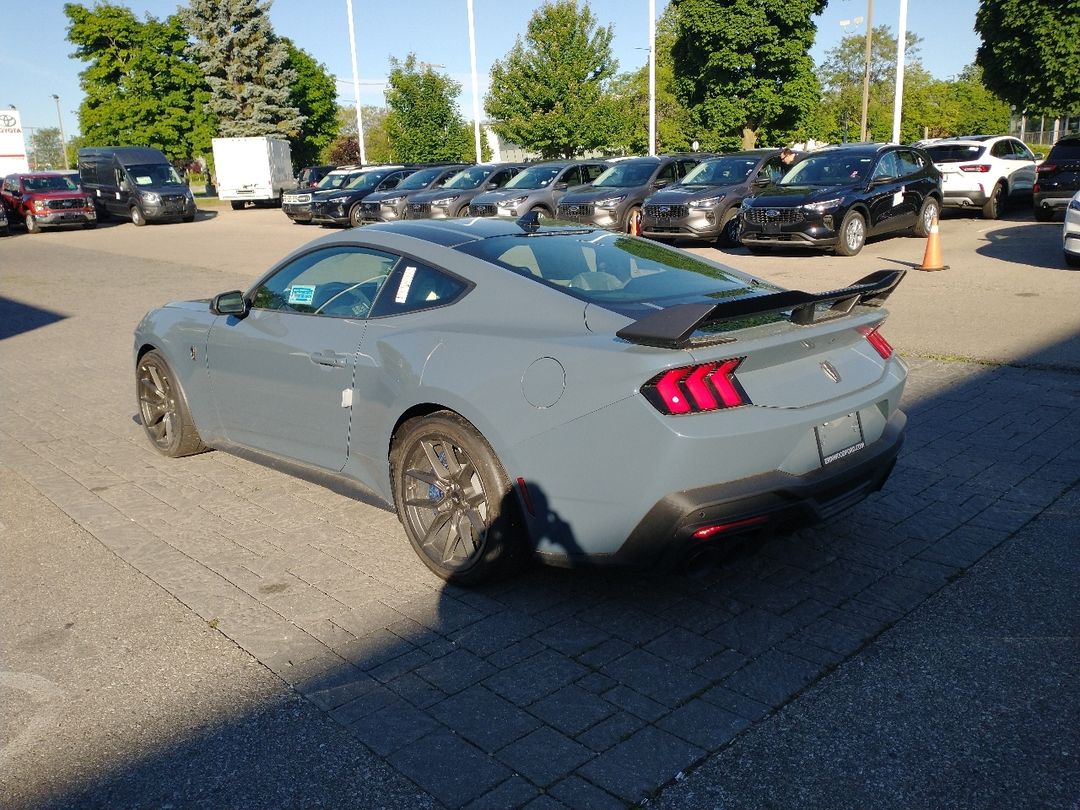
(301,293)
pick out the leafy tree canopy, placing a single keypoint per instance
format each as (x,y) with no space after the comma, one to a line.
(140,86)
(314,94)
(345,148)
(246,66)
(743,68)
(1029,52)
(550,93)
(423,122)
(45,149)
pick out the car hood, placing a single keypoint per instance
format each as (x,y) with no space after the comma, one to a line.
(328,193)
(799,195)
(680,195)
(390,194)
(590,194)
(439,193)
(53,195)
(489,197)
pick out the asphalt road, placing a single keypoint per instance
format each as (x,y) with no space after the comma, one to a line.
(211,633)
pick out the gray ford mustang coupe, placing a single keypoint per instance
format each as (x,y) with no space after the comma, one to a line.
(515,389)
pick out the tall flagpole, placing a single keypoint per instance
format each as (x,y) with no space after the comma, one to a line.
(652,77)
(901,45)
(356,85)
(475,83)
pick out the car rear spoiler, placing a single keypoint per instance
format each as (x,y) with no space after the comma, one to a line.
(671,328)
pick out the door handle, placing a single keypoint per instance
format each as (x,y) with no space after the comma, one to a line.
(328,357)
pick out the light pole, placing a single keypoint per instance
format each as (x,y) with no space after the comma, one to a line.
(63,140)
(356,85)
(901,45)
(475,83)
(652,77)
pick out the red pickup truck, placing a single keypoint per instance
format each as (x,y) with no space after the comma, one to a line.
(46,200)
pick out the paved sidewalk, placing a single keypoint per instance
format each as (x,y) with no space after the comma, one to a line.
(557,688)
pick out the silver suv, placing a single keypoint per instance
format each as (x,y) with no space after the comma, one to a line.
(387,206)
(537,188)
(453,198)
(614,199)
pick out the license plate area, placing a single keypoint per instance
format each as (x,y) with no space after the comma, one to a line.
(839,438)
(771,227)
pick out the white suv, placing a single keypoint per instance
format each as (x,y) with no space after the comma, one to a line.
(983,170)
(1070,234)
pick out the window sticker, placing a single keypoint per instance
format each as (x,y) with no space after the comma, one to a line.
(144,180)
(301,294)
(403,288)
(898,197)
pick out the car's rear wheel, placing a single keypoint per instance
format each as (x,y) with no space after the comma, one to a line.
(354,216)
(1072,260)
(994,207)
(454,499)
(852,234)
(929,211)
(162,409)
(32,225)
(238,204)
(1043,213)
(137,216)
(633,221)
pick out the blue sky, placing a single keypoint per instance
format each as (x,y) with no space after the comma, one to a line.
(435,30)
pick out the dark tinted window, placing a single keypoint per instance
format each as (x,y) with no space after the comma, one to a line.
(954,152)
(592,171)
(572,177)
(1001,149)
(420,179)
(888,166)
(830,169)
(415,286)
(667,174)
(910,162)
(1065,150)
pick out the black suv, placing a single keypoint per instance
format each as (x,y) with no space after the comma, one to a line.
(835,198)
(341,206)
(1058,178)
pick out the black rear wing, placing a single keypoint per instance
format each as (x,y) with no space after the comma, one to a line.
(671,328)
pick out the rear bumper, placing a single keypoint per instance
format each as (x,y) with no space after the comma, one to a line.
(666,534)
(1053,199)
(964,199)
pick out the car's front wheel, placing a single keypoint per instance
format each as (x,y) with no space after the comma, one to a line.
(852,234)
(930,211)
(137,216)
(32,225)
(729,231)
(633,221)
(454,499)
(354,216)
(162,409)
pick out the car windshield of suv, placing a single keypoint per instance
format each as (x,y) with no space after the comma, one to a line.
(52,182)
(837,169)
(628,275)
(535,177)
(1065,150)
(334,180)
(954,152)
(154,174)
(366,180)
(469,178)
(626,175)
(723,172)
(421,179)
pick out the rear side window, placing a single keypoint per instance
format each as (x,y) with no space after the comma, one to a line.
(415,286)
(910,162)
(592,171)
(954,152)
(1065,150)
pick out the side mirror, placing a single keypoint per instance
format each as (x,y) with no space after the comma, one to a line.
(1039,156)
(761,182)
(492,184)
(562,186)
(660,183)
(229,303)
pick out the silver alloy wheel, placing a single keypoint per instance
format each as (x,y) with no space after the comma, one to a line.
(854,234)
(445,502)
(930,213)
(137,217)
(157,403)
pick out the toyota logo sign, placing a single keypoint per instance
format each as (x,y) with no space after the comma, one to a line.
(7,120)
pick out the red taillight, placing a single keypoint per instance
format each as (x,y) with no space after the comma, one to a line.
(878,341)
(695,389)
(982,168)
(708,531)
(1046,167)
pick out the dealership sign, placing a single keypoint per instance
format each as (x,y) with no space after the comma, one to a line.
(12,143)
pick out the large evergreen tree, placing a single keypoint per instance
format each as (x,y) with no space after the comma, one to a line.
(246,66)
(1029,52)
(140,86)
(314,94)
(550,93)
(744,70)
(423,122)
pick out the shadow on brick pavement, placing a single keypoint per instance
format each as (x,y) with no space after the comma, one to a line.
(558,688)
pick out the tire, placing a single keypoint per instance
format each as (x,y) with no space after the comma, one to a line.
(137,216)
(354,216)
(237,205)
(729,231)
(89,226)
(162,409)
(454,500)
(1043,213)
(852,234)
(632,225)
(1072,260)
(32,224)
(930,208)
(994,207)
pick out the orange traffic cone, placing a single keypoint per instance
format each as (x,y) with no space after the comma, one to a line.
(932,258)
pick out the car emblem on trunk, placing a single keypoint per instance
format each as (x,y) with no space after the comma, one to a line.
(830,371)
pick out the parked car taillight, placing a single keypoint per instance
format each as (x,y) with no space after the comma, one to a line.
(1046,167)
(877,340)
(982,168)
(695,389)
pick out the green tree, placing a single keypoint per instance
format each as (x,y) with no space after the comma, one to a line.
(1029,52)
(45,149)
(345,149)
(246,66)
(423,122)
(314,94)
(140,86)
(743,68)
(550,93)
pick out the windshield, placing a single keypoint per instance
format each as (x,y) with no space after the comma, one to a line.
(837,169)
(334,180)
(469,178)
(1066,150)
(626,174)
(954,152)
(625,274)
(421,179)
(154,174)
(723,172)
(51,182)
(366,180)
(534,177)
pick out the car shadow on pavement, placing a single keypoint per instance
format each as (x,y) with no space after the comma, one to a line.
(591,687)
(1032,247)
(17,317)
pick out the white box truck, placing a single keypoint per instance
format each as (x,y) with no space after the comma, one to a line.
(252,169)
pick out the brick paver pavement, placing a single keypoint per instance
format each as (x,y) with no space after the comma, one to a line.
(557,688)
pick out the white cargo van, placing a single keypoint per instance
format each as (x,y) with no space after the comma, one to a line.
(252,169)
